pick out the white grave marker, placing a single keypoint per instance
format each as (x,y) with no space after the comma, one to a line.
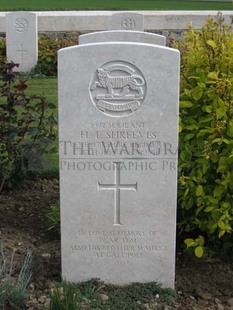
(118,116)
(126,21)
(124,36)
(22,39)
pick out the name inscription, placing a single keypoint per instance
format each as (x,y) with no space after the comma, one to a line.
(118,140)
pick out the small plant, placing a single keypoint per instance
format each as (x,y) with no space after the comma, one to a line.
(96,295)
(64,297)
(13,293)
(53,217)
(27,128)
(205,185)
(197,245)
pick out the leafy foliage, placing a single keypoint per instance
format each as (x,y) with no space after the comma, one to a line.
(47,58)
(205,191)
(13,293)
(2,53)
(27,128)
(197,244)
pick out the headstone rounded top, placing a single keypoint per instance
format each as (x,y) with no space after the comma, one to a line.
(122,36)
(118,88)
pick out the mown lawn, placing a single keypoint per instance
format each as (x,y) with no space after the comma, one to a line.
(46,87)
(12,5)
(40,86)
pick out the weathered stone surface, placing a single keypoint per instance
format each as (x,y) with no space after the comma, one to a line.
(84,21)
(121,35)
(22,39)
(126,21)
(118,114)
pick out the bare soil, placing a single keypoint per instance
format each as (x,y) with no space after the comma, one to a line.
(201,284)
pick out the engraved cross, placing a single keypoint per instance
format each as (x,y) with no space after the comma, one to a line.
(21,51)
(117,187)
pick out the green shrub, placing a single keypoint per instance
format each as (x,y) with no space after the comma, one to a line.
(47,58)
(47,54)
(27,128)
(13,293)
(205,185)
(2,53)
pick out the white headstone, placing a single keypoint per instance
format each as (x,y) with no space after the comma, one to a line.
(126,21)
(118,115)
(124,36)
(22,39)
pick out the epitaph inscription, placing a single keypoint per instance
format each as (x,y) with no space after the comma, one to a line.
(118,88)
(117,244)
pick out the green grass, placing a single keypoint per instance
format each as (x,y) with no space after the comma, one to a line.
(45,5)
(89,295)
(48,165)
(46,87)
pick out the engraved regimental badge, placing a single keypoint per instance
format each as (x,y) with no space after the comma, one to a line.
(21,25)
(128,24)
(118,88)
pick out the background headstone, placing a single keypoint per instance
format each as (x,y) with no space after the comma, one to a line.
(22,39)
(118,116)
(121,35)
(126,21)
